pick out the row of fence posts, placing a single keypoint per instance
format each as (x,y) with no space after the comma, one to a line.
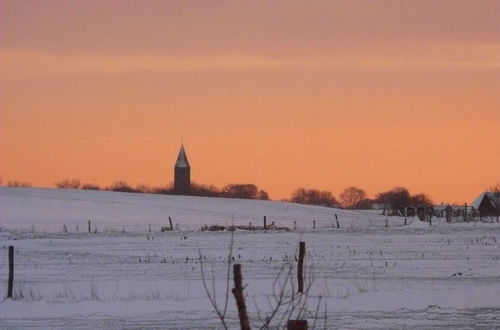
(265,227)
(337,223)
(237,291)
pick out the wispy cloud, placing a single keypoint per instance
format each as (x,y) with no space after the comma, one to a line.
(19,64)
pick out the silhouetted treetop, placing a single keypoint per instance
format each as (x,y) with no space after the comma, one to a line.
(314,197)
(351,197)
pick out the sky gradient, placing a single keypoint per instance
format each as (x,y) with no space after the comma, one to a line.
(315,94)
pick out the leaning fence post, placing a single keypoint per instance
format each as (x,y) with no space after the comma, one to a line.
(338,224)
(300,266)
(171,226)
(240,298)
(11,271)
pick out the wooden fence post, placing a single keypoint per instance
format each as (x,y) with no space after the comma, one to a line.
(297,325)
(240,298)
(338,224)
(171,226)
(294,225)
(265,223)
(465,212)
(405,221)
(89,228)
(386,223)
(300,266)
(11,272)
(314,224)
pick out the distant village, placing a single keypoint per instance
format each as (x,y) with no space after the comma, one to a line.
(395,202)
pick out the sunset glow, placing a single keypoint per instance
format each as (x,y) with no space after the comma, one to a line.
(326,94)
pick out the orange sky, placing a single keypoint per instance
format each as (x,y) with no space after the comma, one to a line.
(322,94)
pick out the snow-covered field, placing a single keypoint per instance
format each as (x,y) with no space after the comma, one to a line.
(51,209)
(368,276)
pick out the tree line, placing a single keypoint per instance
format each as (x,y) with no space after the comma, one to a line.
(233,190)
(397,198)
(351,198)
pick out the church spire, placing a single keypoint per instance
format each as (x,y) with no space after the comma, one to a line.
(182,160)
(182,173)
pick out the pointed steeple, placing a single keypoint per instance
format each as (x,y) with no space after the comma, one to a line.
(182,160)
(182,173)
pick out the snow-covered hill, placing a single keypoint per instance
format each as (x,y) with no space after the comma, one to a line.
(57,207)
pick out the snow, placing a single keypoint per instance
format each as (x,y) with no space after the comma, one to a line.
(477,202)
(50,209)
(368,276)
(420,224)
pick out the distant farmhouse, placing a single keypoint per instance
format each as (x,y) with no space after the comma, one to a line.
(488,204)
(182,173)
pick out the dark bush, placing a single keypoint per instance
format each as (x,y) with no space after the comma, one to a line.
(90,186)
(68,184)
(121,186)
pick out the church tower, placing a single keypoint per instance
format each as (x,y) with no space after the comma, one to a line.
(182,173)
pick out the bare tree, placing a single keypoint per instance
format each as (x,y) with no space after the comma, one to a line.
(284,303)
(314,197)
(20,184)
(351,197)
(121,186)
(495,188)
(246,191)
(287,302)
(211,294)
(206,190)
(421,199)
(263,195)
